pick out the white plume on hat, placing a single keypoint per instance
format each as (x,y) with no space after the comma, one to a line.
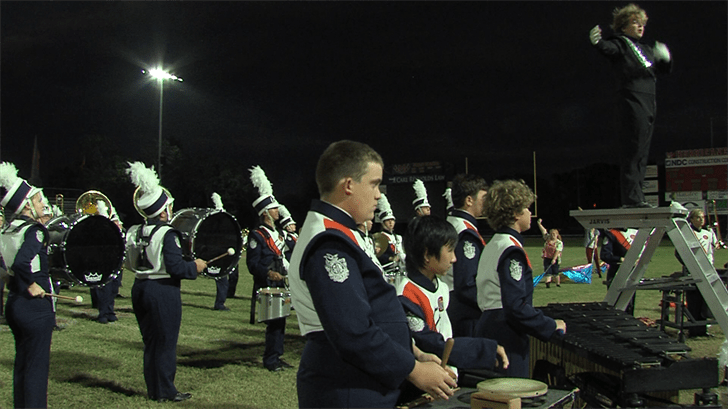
(144,178)
(265,200)
(102,209)
(283,212)
(217,201)
(260,181)
(8,175)
(18,191)
(384,209)
(285,216)
(420,195)
(448,198)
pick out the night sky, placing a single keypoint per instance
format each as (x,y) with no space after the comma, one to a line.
(273,83)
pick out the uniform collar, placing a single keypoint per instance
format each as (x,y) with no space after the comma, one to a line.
(420,279)
(512,232)
(333,212)
(465,215)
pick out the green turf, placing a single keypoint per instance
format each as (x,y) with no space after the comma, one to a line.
(219,353)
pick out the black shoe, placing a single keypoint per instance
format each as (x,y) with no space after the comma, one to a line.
(224,308)
(285,364)
(119,296)
(276,368)
(103,320)
(112,318)
(548,285)
(179,397)
(558,285)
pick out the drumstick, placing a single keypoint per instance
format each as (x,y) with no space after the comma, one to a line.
(77,298)
(446,353)
(229,252)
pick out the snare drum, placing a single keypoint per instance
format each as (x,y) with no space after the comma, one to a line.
(273,303)
(207,233)
(84,249)
(392,274)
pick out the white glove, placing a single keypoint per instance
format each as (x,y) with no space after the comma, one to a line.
(661,52)
(595,35)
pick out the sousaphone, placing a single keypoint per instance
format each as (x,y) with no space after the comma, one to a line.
(87,203)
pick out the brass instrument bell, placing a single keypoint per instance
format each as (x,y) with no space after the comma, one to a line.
(87,203)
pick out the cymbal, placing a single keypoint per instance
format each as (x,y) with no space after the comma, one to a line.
(381,241)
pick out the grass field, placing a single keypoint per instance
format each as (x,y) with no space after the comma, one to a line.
(219,353)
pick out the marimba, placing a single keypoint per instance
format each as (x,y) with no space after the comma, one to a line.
(617,360)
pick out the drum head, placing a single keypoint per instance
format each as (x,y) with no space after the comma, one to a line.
(207,234)
(92,249)
(516,387)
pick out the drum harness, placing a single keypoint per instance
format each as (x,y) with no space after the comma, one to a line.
(8,273)
(143,263)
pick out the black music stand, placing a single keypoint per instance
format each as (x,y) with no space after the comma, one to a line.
(674,289)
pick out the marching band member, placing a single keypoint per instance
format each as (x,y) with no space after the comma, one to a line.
(154,253)
(29,313)
(104,297)
(448,199)
(422,206)
(615,245)
(693,298)
(268,265)
(430,245)
(505,278)
(636,65)
(358,348)
(222,284)
(394,255)
(368,245)
(288,228)
(468,198)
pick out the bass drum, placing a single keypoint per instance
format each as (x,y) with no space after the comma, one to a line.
(85,249)
(208,233)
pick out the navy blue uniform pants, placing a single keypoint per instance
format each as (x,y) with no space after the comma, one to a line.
(158,310)
(274,336)
(463,317)
(326,381)
(493,325)
(232,282)
(221,295)
(106,298)
(31,320)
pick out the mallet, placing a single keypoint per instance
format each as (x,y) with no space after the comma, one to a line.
(77,298)
(229,252)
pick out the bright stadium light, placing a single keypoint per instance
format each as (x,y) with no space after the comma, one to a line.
(160,75)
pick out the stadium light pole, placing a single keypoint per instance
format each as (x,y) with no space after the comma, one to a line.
(160,75)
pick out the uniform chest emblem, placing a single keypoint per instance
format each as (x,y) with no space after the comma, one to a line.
(176,241)
(336,267)
(415,323)
(469,250)
(516,270)
(440,304)
(253,244)
(39,236)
